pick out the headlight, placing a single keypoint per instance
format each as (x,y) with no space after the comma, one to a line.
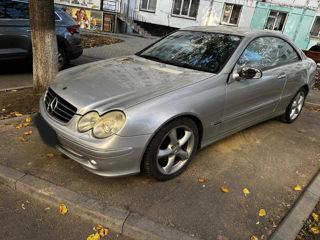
(109,124)
(104,126)
(88,121)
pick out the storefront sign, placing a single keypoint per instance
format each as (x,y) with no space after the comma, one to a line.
(82,17)
(111,5)
(108,22)
(96,20)
(93,4)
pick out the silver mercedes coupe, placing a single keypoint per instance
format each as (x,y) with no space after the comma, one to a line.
(153,110)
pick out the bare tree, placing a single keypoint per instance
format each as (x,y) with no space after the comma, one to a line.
(44,43)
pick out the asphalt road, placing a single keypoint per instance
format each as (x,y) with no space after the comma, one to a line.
(269,159)
(24,218)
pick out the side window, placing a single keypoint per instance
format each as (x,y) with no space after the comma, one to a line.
(286,52)
(3,8)
(266,52)
(18,10)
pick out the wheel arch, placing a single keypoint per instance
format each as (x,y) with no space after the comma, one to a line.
(197,121)
(306,88)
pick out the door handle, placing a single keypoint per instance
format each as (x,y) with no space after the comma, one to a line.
(282,75)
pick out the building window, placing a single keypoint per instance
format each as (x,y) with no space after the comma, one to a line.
(315,30)
(185,8)
(148,5)
(276,20)
(231,14)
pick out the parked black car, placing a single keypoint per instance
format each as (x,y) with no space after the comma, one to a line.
(15,36)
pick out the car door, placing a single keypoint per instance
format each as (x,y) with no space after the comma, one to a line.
(249,101)
(15,40)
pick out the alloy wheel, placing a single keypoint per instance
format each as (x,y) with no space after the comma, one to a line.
(297,105)
(175,150)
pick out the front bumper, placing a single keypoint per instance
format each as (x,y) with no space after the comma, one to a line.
(109,157)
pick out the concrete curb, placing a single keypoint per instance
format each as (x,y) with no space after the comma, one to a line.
(310,104)
(129,224)
(15,88)
(12,119)
(293,221)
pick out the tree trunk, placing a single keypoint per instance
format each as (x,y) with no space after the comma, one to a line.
(44,43)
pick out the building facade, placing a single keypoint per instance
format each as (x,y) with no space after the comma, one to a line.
(184,13)
(315,30)
(292,18)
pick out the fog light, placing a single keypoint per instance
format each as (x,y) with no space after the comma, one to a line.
(93,162)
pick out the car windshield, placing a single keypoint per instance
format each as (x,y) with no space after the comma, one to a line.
(196,50)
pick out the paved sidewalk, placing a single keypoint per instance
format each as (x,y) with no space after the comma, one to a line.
(269,159)
(130,45)
(16,74)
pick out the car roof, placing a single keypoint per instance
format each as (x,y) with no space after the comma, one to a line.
(239,31)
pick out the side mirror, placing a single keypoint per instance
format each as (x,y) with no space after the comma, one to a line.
(250,73)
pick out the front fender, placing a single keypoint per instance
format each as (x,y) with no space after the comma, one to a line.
(204,101)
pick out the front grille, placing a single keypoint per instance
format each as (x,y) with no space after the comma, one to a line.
(58,107)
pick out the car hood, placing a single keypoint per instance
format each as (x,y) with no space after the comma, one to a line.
(120,83)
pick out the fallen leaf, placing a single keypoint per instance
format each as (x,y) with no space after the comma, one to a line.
(26,124)
(315,217)
(98,227)
(125,59)
(22,139)
(27,201)
(39,219)
(224,189)
(63,209)
(22,206)
(27,133)
(254,238)
(257,222)
(14,90)
(262,212)
(19,126)
(50,155)
(297,188)
(246,191)
(47,209)
(28,120)
(18,114)
(201,180)
(3,109)
(315,230)
(192,235)
(103,232)
(94,237)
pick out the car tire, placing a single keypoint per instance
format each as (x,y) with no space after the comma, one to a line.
(171,149)
(62,59)
(295,107)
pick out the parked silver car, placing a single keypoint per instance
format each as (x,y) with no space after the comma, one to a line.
(154,110)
